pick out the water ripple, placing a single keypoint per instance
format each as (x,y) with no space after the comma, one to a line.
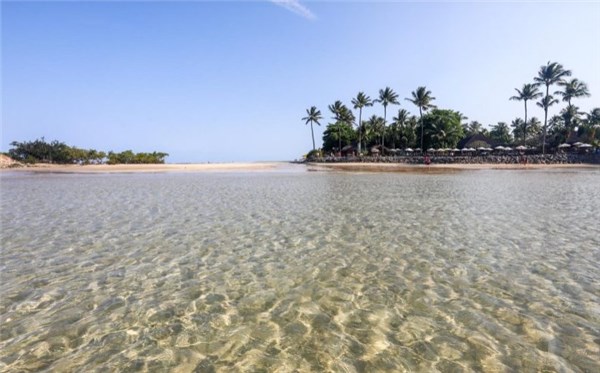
(485,270)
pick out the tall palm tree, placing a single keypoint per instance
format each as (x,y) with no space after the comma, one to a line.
(551,73)
(387,97)
(312,115)
(573,88)
(359,103)
(545,103)
(528,92)
(422,99)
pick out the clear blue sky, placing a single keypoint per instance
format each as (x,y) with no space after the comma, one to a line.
(229,81)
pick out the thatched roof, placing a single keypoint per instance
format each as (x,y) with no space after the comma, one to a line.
(476,141)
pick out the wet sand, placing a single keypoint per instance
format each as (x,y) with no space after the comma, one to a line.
(141,168)
(435,168)
(271,166)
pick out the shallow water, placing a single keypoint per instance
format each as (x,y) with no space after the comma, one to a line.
(481,270)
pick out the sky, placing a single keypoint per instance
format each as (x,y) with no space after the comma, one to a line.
(209,81)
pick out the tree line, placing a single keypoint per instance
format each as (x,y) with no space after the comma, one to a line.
(444,128)
(41,151)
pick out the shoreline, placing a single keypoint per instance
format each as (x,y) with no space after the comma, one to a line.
(274,166)
(146,168)
(437,168)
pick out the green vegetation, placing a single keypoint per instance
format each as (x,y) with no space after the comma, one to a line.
(529,92)
(359,103)
(548,75)
(422,98)
(40,151)
(444,128)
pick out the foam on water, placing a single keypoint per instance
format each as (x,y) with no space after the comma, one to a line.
(486,270)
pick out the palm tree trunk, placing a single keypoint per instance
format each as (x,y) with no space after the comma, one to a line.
(568,125)
(525,125)
(313,134)
(359,129)
(545,122)
(383,130)
(421,114)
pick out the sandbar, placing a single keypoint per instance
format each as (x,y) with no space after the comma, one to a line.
(148,168)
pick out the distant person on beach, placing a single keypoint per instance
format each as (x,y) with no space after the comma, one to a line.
(427,160)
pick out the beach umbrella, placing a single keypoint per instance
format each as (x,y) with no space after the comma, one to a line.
(418,149)
(564,146)
(489,149)
(521,147)
(481,148)
(578,144)
(499,148)
(430,150)
(455,150)
(585,146)
(508,148)
(408,150)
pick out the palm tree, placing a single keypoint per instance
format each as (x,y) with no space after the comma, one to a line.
(422,99)
(341,115)
(359,103)
(550,74)
(501,133)
(573,88)
(376,125)
(387,96)
(364,132)
(528,92)
(313,115)
(593,117)
(593,120)
(545,103)
(400,121)
(519,129)
(571,116)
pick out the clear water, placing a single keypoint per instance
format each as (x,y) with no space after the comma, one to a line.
(482,270)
